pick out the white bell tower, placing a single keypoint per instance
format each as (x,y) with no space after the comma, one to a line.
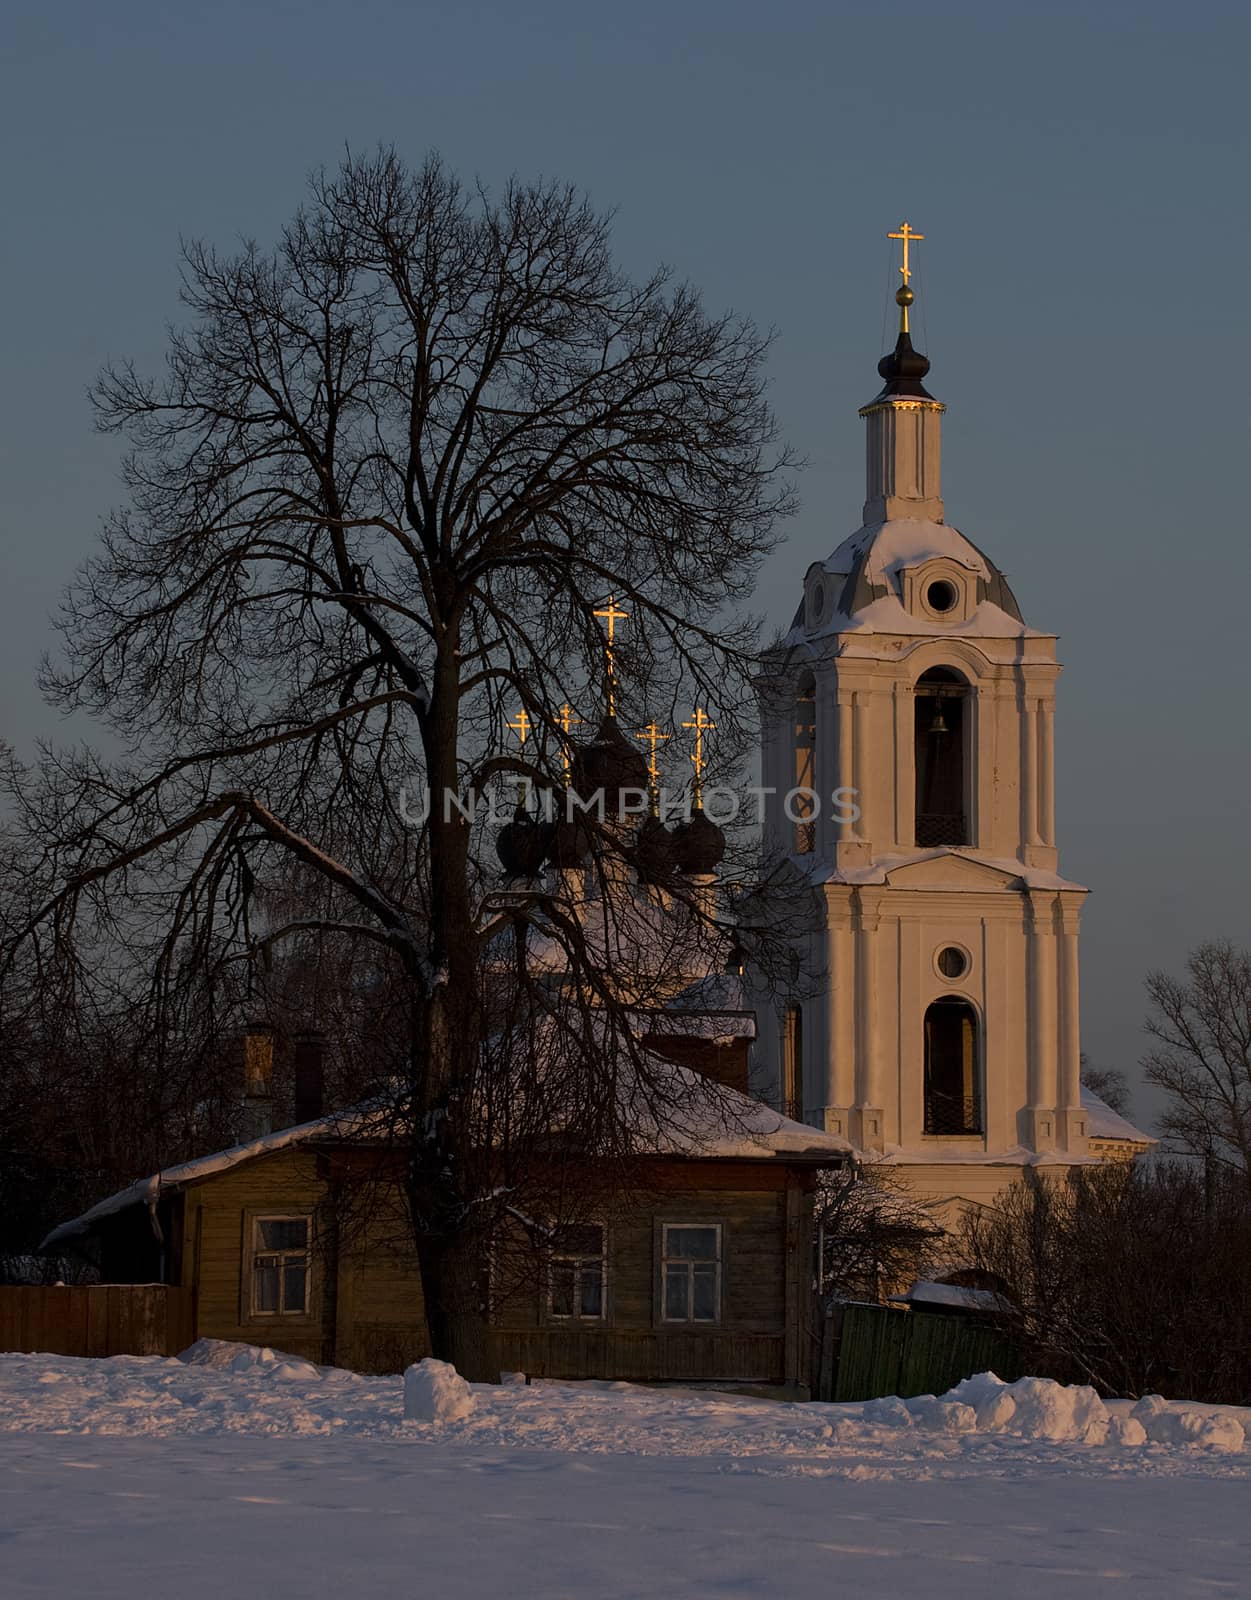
(913,710)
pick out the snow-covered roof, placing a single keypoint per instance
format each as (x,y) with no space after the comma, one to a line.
(147,1191)
(1104,1123)
(866,570)
(924,1292)
(705,1121)
(878,870)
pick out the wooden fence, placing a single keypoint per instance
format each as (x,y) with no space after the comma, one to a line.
(882,1350)
(113,1319)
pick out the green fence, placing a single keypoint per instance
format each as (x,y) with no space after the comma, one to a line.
(882,1350)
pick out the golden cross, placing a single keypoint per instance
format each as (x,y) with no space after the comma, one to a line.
(652,736)
(702,724)
(612,615)
(907,234)
(521,725)
(565,721)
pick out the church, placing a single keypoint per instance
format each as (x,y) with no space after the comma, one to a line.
(908,724)
(931,1025)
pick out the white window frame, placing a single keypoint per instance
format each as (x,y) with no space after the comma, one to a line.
(258,1250)
(562,1257)
(690,1263)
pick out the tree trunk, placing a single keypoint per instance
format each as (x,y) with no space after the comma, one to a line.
(453,1284)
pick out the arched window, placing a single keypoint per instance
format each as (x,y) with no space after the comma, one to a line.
(940,745)
(953,1094)
(805,764)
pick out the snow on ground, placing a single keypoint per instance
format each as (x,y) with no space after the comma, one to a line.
(243,1472)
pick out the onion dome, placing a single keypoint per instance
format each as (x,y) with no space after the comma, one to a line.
(523,844)
(903,369)
(608,764)
(570,839)
(654,851)
(698,845)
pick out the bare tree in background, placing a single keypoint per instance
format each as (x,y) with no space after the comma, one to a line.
(1202,1056)
(1109,1083)
(1125,1275)
(390,473)
(875,1236)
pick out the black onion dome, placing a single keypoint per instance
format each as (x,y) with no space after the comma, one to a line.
(698,845)
(608,763)
(902,371)
(522,845)
(571,838)
(654,851)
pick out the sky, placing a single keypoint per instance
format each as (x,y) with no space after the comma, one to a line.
(1080,173)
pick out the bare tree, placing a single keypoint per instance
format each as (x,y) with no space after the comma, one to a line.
(390,474)
(874,1235)
(1202,1056)
(1109,1083)
(1120,1275)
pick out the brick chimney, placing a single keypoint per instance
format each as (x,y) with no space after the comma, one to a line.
(256,1051)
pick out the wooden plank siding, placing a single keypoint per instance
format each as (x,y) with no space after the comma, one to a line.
(114,1319)
(365,1306)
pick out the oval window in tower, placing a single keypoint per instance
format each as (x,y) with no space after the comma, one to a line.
(941,595)
(952,961)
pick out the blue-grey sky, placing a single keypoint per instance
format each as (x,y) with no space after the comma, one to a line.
(1080,171)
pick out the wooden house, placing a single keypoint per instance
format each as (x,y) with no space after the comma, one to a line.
(705,1276)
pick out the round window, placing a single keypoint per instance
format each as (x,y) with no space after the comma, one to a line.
(818,602)
(941,595)
(952,961)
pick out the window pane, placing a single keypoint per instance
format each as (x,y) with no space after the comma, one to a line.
(675,1292)
(562,1289)
(294,1276)
(705,1293)
(266,1287)
(691,1244)
(592,1299)
(283,1233)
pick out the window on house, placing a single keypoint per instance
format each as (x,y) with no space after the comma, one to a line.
(953,1101)
(939,746)
(576,1284)
(691,1272)
(280,1266)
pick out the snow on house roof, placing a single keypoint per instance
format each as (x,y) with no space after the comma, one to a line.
(706,1121)
(147,1191)
(1104,1123)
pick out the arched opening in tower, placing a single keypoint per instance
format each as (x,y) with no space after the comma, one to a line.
(953,1099)
(940,750)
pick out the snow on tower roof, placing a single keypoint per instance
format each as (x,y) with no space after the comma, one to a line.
(870,593)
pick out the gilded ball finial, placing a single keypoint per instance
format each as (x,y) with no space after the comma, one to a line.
(903,295)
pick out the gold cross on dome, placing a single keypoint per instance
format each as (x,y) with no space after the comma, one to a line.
(566,720)
(702,723)
(521,726)
(907,233)
(651,737)
(612,615)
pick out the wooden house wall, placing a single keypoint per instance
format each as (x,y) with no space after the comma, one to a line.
(765,1215)
(365,1308)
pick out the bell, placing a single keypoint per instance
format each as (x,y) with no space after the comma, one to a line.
(938,726)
